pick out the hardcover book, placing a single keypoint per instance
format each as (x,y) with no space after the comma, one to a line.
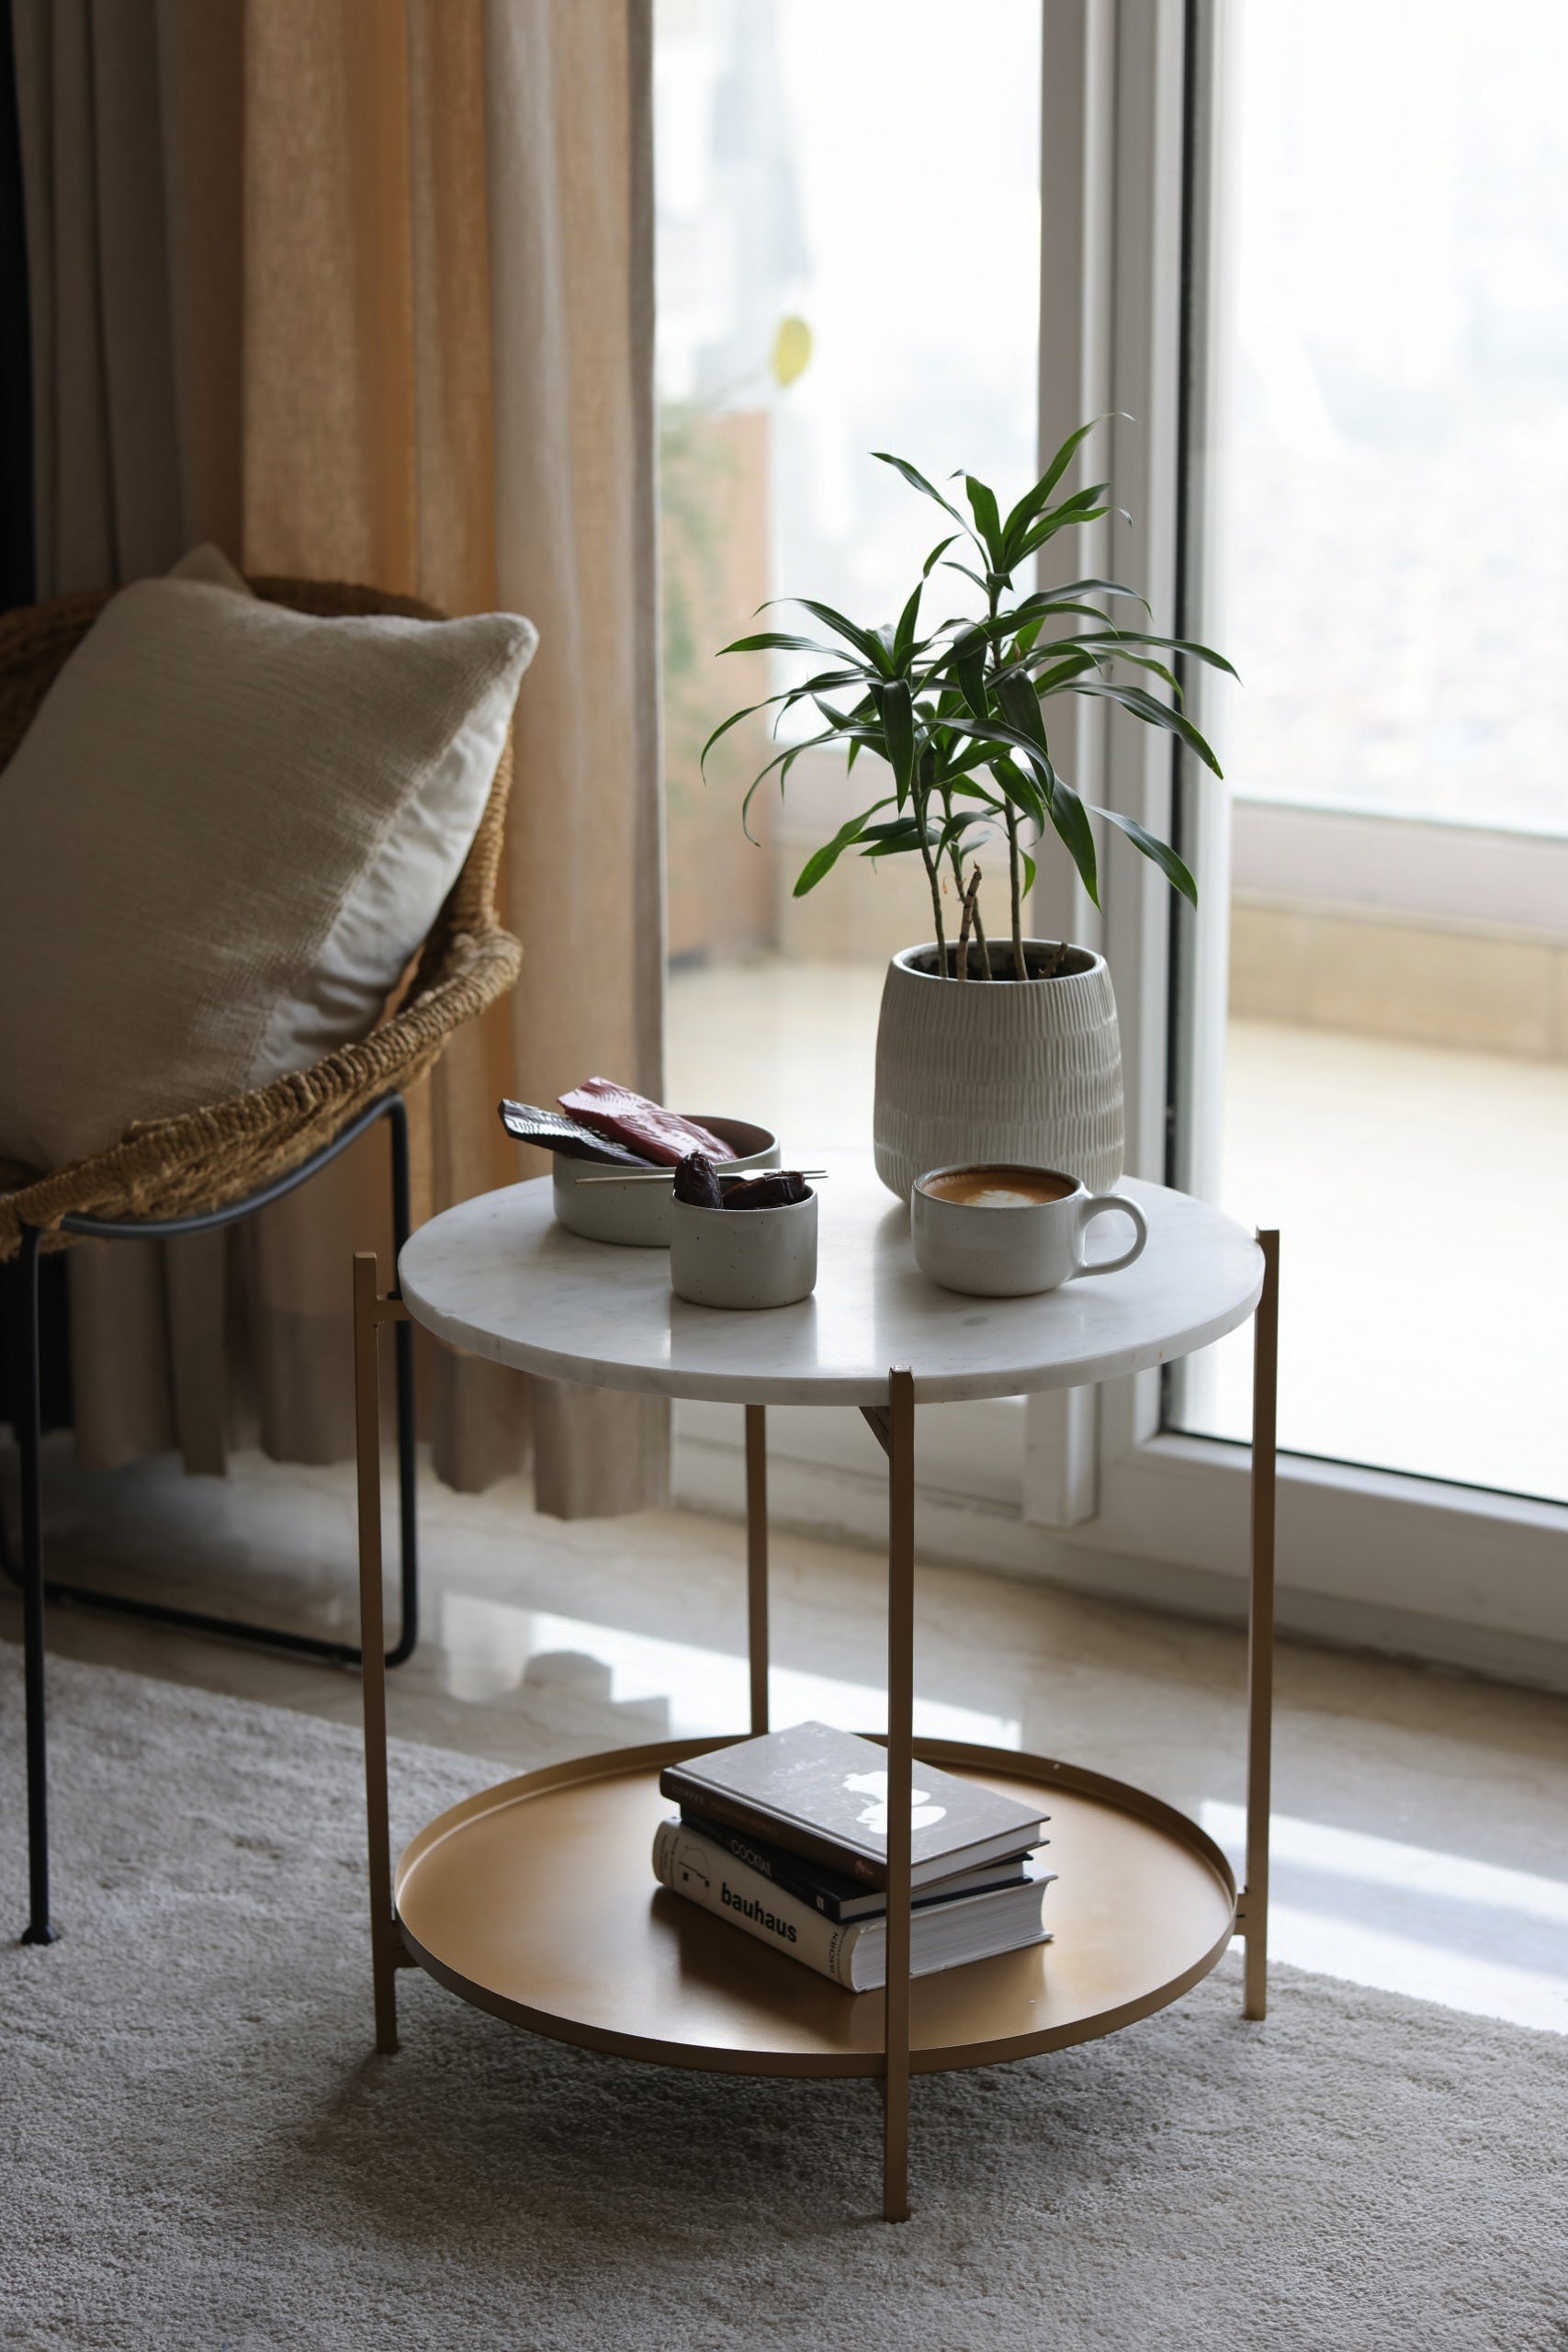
(834,1893)
(823,1794)
(941,1935)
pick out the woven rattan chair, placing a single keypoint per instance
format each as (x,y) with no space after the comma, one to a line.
(207,1169)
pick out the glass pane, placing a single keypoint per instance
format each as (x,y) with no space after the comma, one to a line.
(1383,478)
(848,261)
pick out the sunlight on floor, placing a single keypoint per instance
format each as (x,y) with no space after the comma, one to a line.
(1418,1840)
(1409,1920)
(675,1689)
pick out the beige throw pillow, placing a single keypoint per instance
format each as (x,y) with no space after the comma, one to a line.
(225,835)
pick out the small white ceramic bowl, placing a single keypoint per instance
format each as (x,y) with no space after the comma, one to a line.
(743,1258)
(638,1215)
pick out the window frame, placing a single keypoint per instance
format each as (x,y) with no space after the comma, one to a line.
(1093,1488)
(1466,1574)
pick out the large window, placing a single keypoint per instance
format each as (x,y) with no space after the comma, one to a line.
(848,261)
(1379,476)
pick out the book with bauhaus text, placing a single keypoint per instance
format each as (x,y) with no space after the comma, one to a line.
(823,1794)
(941,1935)
(833,1893)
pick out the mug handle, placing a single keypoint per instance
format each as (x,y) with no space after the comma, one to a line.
(1091,1208)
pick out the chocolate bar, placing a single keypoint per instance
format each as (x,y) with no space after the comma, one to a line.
(553,1131)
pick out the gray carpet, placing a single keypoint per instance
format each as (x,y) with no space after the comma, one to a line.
(200,2150)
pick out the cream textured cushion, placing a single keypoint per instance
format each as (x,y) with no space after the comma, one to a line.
(225,835)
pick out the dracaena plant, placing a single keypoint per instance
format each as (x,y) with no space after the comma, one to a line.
(960,711)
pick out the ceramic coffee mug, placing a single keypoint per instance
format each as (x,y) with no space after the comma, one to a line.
(1006,1232)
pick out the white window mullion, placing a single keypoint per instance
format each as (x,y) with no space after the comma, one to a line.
(1454,1573)
(1110,344)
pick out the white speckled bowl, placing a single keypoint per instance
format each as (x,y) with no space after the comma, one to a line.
(638,1215)
(743,1258)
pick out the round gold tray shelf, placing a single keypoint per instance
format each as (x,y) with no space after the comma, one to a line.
(536,1901)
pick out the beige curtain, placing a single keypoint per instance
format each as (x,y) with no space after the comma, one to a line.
(362,289)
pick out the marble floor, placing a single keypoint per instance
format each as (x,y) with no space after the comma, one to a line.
(1419,1829)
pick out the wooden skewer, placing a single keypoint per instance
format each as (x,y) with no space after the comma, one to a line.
(726,1175)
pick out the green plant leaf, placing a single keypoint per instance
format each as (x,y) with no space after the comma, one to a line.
(822,861)
(724,727)
(1023,790)
(1196,653)
(898,731)
(955,827)
(938,552)
(1023,616)
(1071,820)
(1072,666)
(783,761)
(969,670)
(808,689)
(1070,518)
(988,521)
(1160,670)
(1020,707)
(904,635)
(916,481)
(774,640)
(1161,852)
(864,640)
(1034,500)
(1154,714)
(992,729)
(1101,588)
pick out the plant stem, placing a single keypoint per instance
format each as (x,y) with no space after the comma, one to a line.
(955,860)
(1015,878)
(1015,869)
(982,943)
(934,878)
(966,919)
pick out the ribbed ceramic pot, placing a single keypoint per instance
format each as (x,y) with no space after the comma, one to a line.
(1026,1071)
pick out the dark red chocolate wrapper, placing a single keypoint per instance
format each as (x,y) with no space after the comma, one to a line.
(643,1127)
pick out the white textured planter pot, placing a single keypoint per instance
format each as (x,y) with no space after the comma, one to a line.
(1026,1071)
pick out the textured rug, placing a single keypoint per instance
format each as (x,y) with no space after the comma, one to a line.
(201,2150)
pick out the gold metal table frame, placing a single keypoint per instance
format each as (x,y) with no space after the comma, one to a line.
(608,1793)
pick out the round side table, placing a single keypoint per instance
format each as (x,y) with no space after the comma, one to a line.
(535,1899)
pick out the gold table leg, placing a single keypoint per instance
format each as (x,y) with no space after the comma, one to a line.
(1252,1909)
(757,1562)
(370,1311)
(900,1769)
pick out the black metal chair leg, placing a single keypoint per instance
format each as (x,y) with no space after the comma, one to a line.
(39,1928)
(196,1621)
(27,1572)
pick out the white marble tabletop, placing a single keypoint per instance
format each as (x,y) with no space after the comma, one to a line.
(497,1276)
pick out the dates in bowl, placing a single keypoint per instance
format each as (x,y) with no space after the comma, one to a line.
(741,1242)
(698,1183)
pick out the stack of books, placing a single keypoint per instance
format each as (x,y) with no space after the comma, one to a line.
(786,1837)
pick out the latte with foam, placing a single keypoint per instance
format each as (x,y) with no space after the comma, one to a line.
(999,1187)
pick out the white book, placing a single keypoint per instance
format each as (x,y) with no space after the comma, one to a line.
(944,1935)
